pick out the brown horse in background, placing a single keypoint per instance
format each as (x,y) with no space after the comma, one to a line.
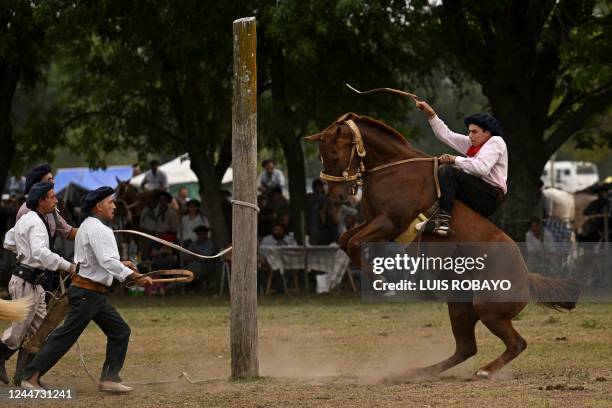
(393,196)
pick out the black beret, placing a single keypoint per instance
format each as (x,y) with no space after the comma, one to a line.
(35,175)
(94,197)
(37,192)
(485,121)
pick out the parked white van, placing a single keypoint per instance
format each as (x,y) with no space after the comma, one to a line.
(570,176)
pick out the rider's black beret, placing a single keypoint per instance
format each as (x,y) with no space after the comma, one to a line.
(485,121)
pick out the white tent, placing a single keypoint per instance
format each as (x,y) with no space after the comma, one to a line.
(179,171)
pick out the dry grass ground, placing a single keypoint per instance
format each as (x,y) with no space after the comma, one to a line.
(331,351)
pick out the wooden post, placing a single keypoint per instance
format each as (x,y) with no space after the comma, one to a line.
(243,327)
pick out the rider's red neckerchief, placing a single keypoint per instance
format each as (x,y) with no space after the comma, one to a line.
(473,150)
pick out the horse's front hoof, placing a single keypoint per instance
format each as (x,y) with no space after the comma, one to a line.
(483,374)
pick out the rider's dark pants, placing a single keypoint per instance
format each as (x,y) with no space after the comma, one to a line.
(475,192)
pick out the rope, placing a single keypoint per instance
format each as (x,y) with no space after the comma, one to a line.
(245,204)
(174,246)
(83,363)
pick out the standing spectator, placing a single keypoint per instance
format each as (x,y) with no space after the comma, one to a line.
(154,178)
(191,220)
(315,200)
(271,178)
(279,236)
(182,198)
(204,270)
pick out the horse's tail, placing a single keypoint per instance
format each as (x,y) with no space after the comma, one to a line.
(15,310)
(554,292)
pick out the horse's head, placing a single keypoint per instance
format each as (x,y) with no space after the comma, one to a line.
(123,188)
(341,149)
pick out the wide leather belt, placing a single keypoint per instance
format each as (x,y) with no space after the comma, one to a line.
(82,282)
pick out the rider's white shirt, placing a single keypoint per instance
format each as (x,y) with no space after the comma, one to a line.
(491,161)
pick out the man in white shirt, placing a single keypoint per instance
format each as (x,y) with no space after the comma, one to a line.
(154,178)
(98,259)
(32,241)
(58,225)
(271,178)
(279,236)
(479,179)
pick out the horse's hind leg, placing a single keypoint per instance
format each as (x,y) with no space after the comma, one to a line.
(515,344)
(463,321)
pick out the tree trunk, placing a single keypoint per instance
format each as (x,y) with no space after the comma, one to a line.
(284,129)
(292,149)
(210,194)
(524,137)
(9,76)
(518,207)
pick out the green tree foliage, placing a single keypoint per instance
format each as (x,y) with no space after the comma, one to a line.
(308,50)
(26,44)
(544,66)
(154,76)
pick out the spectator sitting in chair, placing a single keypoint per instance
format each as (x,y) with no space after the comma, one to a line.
(279,236)
(203,269)
(191,220)
(167,217)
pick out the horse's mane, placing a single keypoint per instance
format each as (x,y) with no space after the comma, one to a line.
(382,127)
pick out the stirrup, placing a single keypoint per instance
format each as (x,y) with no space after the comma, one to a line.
(438,224)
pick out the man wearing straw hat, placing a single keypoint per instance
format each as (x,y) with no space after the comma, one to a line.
(98,259)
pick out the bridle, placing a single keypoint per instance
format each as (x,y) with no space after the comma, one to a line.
(358,148)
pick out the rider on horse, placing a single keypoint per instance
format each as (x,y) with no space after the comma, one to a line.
(479,180)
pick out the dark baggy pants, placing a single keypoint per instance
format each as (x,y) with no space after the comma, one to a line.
(475,192)
(85,306)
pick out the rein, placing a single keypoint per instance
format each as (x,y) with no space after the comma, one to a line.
(359,149)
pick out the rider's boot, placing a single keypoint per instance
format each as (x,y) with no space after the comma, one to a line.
(438,224)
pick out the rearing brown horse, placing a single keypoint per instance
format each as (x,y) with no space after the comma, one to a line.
(398,184)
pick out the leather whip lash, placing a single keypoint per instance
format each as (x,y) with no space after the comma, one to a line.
(375,90)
